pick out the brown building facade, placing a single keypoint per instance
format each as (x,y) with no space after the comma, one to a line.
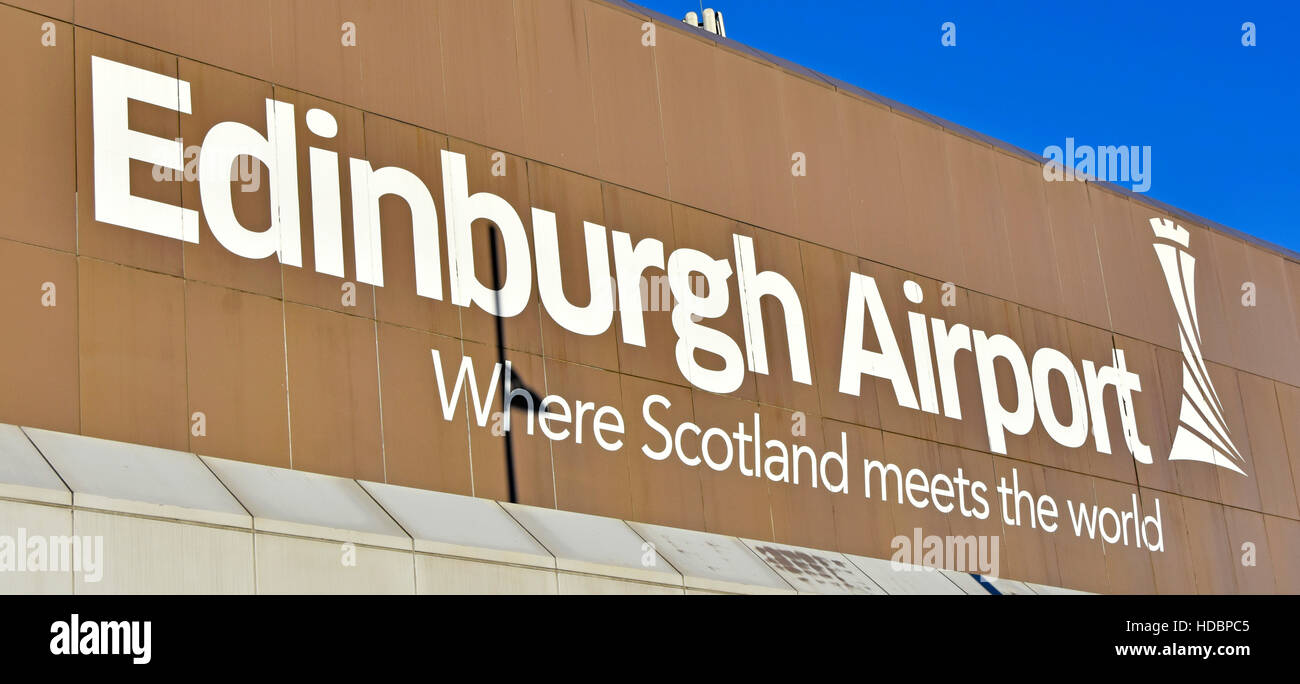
(622,123)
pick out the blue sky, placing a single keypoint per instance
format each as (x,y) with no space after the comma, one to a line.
(1221,119)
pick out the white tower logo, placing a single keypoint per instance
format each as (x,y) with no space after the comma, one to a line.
(1202,430)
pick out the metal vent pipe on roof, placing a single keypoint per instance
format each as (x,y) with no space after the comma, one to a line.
(712,22)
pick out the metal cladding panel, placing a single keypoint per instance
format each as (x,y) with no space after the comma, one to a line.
(816,572)
(595,545)
(308,504)
(449,522)
(712,561)
(903,579)
(24,473)
(130,478)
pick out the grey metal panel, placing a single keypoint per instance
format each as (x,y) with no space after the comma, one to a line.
(24,474)
(1055,591)
(141,480)
(907,579)
(713,561)
(1010,587)
(451,524)
(811,571)
(966,582)
(308,504)
(595,545)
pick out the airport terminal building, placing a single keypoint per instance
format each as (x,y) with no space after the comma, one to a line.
(567,296)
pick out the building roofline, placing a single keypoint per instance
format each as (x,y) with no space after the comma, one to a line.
(958,129)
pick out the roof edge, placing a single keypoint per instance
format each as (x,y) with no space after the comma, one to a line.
(952,127)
